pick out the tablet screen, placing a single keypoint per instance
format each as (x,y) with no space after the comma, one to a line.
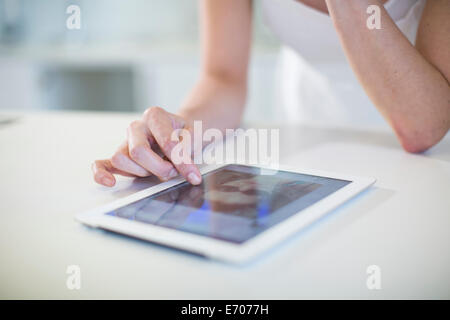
(233,203)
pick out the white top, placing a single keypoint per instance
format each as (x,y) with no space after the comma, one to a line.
(315,83)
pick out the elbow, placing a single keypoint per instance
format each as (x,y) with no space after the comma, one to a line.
(416,139)
(415,146)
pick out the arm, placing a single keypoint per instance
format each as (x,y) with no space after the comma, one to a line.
(219,96)
(409,85)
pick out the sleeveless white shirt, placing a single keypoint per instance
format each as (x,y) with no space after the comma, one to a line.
(314,81)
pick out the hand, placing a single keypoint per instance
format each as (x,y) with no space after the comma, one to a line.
(147,151)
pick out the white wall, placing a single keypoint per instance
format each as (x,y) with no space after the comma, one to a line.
(129,54)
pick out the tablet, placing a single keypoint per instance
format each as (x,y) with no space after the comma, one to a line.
(237,213)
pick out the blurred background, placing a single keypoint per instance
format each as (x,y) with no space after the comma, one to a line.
(127,55)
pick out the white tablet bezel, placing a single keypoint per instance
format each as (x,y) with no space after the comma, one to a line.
(216,248)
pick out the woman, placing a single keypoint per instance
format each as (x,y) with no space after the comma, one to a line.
(404,68)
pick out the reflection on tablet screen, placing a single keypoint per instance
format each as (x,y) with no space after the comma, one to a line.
(234,203)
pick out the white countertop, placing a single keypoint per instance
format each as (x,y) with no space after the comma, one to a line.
(401,224)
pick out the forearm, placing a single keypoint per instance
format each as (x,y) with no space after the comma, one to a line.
(409,91)
(218,103)
(218,99)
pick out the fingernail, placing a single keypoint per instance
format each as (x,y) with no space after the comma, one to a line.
(173,173)
(194,178)
(108,181)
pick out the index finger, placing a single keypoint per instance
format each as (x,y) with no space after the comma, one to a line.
(160,124)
